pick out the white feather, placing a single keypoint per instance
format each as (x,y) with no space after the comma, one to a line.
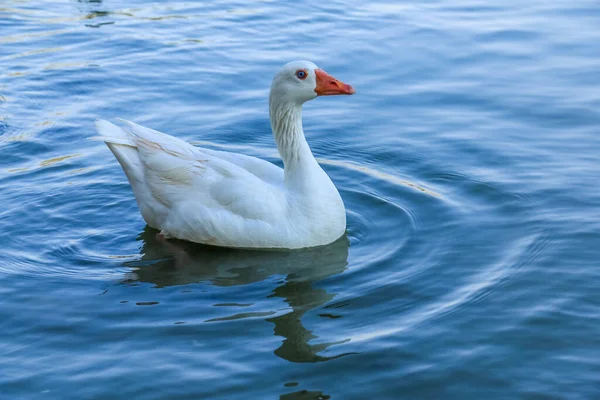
(227,199)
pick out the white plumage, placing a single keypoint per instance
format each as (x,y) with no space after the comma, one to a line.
(228,199)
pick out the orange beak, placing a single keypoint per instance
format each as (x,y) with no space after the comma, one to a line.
(327,85)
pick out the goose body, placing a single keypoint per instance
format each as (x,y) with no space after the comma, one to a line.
(233,200)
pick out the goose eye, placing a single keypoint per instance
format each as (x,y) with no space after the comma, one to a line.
(301,74)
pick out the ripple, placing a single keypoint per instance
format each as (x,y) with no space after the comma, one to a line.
(32,52)
(377,174)
(29,36)
(242,316)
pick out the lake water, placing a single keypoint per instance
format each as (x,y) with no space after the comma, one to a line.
(468,161)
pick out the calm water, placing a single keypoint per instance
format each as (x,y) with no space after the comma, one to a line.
(468,162)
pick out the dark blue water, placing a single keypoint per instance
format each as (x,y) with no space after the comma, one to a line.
(468,161)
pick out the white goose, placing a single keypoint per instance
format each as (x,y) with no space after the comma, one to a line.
(233,200)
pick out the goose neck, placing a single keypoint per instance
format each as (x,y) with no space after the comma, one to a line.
(286,123)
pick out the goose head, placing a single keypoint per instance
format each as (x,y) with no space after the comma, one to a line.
(300,81)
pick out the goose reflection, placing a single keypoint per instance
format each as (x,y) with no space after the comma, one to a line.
(167,263)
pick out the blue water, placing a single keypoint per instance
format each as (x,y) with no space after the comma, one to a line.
(468,161)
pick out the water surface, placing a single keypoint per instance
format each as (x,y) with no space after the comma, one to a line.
(467,160)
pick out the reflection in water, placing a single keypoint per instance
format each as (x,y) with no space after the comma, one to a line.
(305,395)
(167,263)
